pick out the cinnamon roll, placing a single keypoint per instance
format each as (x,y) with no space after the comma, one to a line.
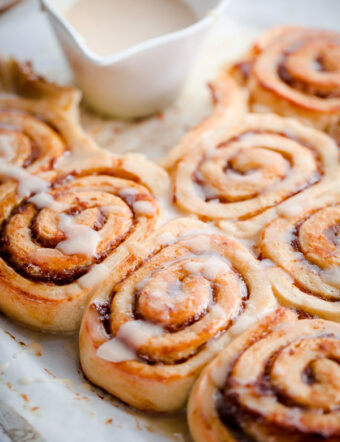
(30,144)
(59,244)
(146,339)
(68,210)
(295,71)
(278,381)
(303,244)
(237,175)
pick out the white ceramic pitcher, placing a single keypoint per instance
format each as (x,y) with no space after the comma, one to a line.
(139,80)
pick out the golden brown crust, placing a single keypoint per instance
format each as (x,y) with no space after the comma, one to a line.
(239,174)
(303,246)
(294,71)
(199,288)
(52,172)
(275,382)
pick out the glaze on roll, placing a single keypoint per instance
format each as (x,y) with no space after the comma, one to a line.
(68,210)
(295,72)
(146,340)
(238,174)
(278,381)
(303,245)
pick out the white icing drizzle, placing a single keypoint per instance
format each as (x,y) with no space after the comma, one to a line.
(95,276)
(157,286)
(111,209)
(137,333)
(267,263)
(115,350)
(27,183)
(290,207)
(143,208)
(198,244)
(81,239)
(84,243)
(128,191)
(69,226)
(217,312)
(247,319)
(209,268)
(288,235)
(45,200)
(214,201)
(332,276)
(219,375)
(130,336)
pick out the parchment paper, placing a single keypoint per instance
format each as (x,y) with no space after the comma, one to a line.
(39,373)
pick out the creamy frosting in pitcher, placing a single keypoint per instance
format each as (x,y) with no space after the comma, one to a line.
(109,26)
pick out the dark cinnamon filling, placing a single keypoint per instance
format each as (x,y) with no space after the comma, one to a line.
(63,276)
(34,155)
(103,308)
(308,376)
(105,318)
(304,86)
(175,328)
(233,416)
(304,315)
(237,418)
(333,233)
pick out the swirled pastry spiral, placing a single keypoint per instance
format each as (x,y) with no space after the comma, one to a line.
(53,243)
(295,71)
(278,381)
(305,247)
(30,143)
(238,175)
(68,210)
(146,340)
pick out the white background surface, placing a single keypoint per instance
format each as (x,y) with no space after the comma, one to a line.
(56,399)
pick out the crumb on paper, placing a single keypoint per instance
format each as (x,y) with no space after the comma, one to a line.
(49,372)
(24,397)
(21,343)
(34,348)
